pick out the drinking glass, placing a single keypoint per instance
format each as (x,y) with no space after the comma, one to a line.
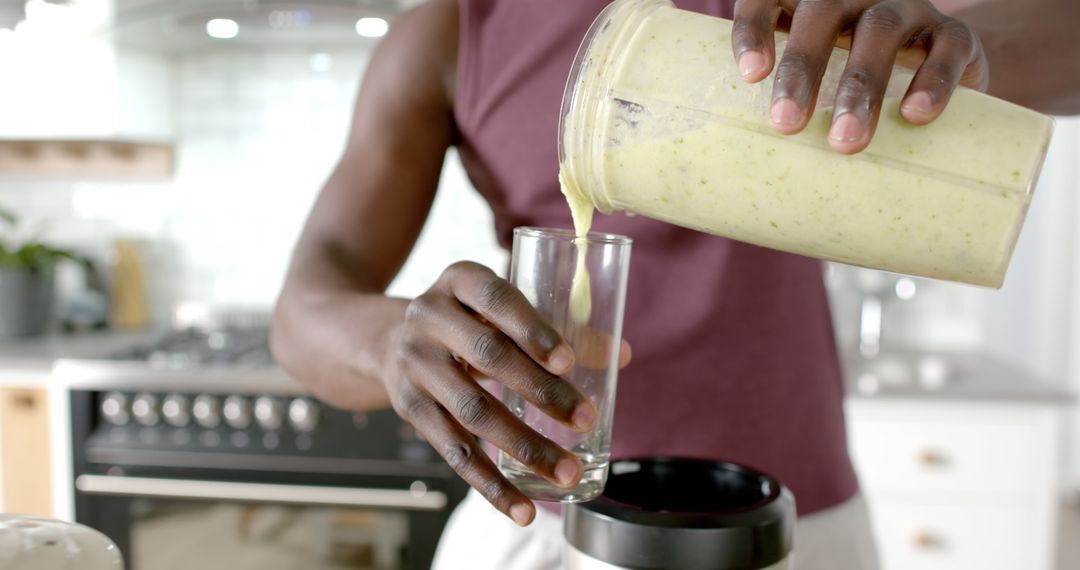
(542,266)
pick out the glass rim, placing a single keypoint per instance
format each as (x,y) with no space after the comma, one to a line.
(570,236)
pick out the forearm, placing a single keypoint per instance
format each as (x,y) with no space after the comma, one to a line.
(333,337)
(1034,51)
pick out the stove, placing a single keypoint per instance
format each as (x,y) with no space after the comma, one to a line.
(233,347)
(200,421)
(202,337)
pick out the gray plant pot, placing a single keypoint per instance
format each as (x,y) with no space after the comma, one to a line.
(25,302)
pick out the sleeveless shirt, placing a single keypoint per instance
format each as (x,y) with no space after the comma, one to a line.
(733,350)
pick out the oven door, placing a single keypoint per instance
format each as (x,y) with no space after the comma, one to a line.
(173,524)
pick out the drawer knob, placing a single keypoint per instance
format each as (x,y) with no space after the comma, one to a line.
(925,540)
(930,458)
(25,402)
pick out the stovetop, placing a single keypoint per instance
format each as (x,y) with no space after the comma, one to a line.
(233,346)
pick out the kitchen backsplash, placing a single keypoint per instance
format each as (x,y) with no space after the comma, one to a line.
(257,134)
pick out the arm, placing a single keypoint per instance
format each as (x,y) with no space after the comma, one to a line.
(355,348)
(332,326)
(1034,51)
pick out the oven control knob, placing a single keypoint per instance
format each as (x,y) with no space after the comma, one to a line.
(303,415)
(269,413)
(115,409)
(207,411)
(177,410)
(237,412)
(145,409)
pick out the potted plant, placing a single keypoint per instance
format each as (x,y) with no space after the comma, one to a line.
(26,280)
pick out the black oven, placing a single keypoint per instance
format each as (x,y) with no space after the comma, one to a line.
(250,481)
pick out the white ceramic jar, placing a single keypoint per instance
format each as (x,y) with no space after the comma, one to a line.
(28,543)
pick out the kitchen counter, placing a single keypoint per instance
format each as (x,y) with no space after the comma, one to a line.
(79,360)
(30,361)
(946,376)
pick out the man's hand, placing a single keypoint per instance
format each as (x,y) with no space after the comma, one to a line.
(473,323)
(880,30)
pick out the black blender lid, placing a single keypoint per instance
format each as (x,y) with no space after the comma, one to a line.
(678,513)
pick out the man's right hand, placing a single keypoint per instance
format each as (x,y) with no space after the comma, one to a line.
(473,323)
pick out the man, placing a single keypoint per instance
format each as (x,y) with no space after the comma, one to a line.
(733,353)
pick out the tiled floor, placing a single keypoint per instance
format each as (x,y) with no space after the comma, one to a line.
(1069,541)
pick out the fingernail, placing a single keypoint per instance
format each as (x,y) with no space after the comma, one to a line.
(566,472)
(521,514)
(919,103)
(785,112)
(847,128)
(584,416)
(751,62)
(561,359)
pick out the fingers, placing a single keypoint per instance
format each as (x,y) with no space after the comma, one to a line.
(956,56)
(494,354)
(625,354)
(753,39)
(814,29)
(499,302)
(482,414)
(882,28)
(594,349)
(879,33)
(467,459)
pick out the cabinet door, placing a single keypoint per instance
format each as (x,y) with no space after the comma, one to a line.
(24,452)
(957,537)
(949,457)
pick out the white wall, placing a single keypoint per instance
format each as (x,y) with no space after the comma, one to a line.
(56,75)
(257,133)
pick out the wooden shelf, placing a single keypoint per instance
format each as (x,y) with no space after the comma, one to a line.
(97,159)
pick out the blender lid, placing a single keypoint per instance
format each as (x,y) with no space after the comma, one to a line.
(677,513)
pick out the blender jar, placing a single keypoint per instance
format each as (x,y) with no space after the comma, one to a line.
(682,514)
(657,121)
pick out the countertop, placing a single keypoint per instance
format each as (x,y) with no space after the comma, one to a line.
(30,361)
(947,376)
(80,360)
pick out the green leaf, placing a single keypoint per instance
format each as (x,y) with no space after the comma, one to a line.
(35,257)
(32,256)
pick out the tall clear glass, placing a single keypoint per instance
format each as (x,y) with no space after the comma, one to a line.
(542,266)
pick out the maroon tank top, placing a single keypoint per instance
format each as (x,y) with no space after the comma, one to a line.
(734,355)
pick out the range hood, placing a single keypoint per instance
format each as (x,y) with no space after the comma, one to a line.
(177,27)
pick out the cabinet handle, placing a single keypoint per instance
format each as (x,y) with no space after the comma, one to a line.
(25,402)
(930,458)
(116,485)
(925,540)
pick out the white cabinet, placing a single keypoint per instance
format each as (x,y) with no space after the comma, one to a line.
(959,484)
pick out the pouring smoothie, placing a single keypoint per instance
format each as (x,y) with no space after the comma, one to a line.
(657,122)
